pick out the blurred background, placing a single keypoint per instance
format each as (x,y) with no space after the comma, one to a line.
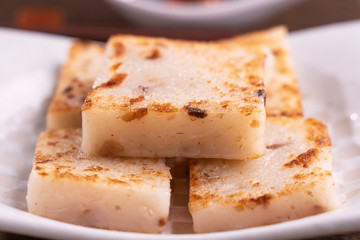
(186,19)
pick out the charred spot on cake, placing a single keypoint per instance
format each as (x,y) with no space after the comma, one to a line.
(116,181)
(96,169)
(43,161)
(239,208)
(262,200)
(118,49)
(224,104)
(67,89)
(276,146)
(303,159)
(52,143)
(110,148)
(256,184)
(255,80)
(285,114)
(313,174)
(247,110)
(87,210)
(277,52)
(115,66)
(92,178)
(162,222)
(255,124)
(87,104)
(114,81)
(195,112)
(152,54)
(162,107)
(137,181)
(319,208)
(233,87)
(143,89)
(317,132)
(261,93)
(299,176)
(139,113)
(137,99)
(195,196)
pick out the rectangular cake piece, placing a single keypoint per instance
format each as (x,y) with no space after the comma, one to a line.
(168,98)
(117,194)
(282,93)
(292,180)
(76,79)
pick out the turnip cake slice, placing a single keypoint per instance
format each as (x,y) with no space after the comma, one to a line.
(118,194)
(169,98)
(75,81)
(292,180)
(282,93)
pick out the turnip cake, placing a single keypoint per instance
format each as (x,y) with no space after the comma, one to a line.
(76,79)
(292,180)
(118,193)
(169,98)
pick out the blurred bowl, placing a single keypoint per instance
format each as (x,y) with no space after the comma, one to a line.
(223,13)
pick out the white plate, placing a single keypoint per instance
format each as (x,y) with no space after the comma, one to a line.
(233,13)
(327,64)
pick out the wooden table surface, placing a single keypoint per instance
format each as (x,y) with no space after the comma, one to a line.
(99,21)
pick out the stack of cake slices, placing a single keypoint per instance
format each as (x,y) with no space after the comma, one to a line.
(230,107)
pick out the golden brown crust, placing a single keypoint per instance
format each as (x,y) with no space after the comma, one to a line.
(275,146)
(114,81)
(137,99)
(282,91)
(152,54)
(250,105)
(240,99)
(318,133)
(308,173)
(57,155)
(76,76)
(87,104)
(303,159)
(139,113)
(118,49)
(240,200)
